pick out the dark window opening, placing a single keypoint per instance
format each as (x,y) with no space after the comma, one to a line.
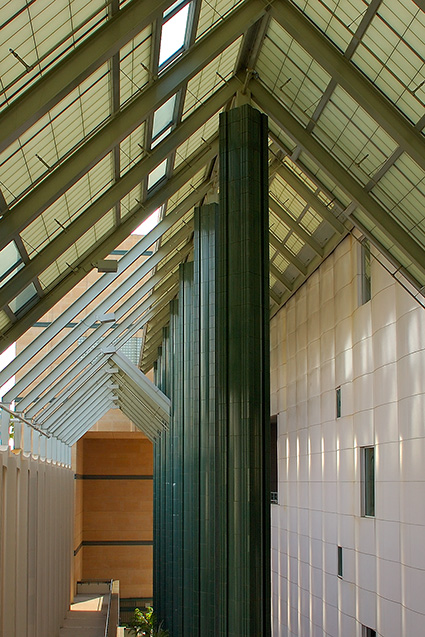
(273,460)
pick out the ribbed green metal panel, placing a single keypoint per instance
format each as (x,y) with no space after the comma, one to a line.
(243,371)
(204,407)
(212,529)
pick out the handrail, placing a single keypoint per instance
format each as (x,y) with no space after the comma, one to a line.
(16,414)
(109,609)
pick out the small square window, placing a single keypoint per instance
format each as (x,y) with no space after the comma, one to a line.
(338,402)
(367,465)
(339,561)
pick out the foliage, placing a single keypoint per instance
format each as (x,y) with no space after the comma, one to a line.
(144,624)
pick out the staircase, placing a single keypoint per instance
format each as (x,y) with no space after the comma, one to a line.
(88,615)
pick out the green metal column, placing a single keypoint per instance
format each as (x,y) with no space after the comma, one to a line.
(242,374)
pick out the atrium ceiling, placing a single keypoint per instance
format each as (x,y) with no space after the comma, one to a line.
(109,114)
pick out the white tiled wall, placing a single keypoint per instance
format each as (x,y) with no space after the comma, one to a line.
(321,340)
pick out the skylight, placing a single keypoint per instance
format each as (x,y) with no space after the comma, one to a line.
(163,117)
(173,35)
(157,174)
(149,223)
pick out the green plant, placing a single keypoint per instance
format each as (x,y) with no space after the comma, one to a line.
(144,624)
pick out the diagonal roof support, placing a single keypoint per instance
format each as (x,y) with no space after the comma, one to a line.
(56,83)
(353,81)
(119,127)
(378,215)
(76,393)
(117,191)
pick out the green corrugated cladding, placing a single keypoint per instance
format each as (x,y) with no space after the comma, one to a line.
(242,371)
(211,485)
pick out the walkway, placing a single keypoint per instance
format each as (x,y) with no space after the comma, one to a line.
(87,616)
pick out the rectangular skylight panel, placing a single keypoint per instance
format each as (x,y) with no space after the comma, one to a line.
(4,320)
(163,116)
(23,298)
(157,174)
(16,35)
(173,35)
(10,260)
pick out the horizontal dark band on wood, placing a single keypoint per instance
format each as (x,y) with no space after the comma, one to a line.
(117,543)
(112,543)
(79,476)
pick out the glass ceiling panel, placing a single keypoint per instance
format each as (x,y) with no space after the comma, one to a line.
(212,12)
(134,64)
(392,54)
(40,35)
(291,73)
(4,320)
(353,137)
(65,209)
(132,149)
(196,140)
(339,19)
(173,35)
(210,78)
(43,145)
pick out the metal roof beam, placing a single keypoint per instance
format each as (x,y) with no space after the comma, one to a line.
(88,419)
(355,83)
(378,215)
(79,394)
(75,67)
(74,390)
(152,395)
(131,116)
(115,193)
(93,393)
